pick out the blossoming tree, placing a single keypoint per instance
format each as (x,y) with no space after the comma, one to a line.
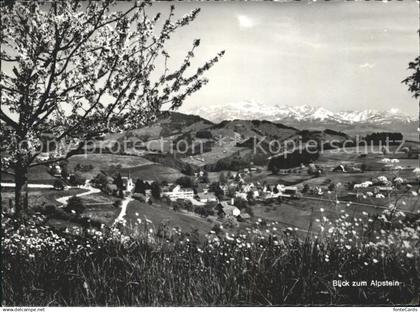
(413,81)
(76,70)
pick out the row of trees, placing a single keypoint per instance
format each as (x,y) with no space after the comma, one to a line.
(115,185)
(154,187)
(291,160)
(384,137)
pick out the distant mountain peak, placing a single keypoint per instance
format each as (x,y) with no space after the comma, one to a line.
(251,109)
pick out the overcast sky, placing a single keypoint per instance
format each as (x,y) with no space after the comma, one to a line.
(342,55)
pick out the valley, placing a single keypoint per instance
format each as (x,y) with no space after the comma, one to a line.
(231,161)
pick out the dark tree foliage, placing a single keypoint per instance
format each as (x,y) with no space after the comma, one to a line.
(185,181)
(384,137)
(413,81)
(100,181)
(75,204)
(155,189)
(222,178)
(140,187)
(217,190)
(205,211)
(292,159)
(231,163)
(78,179)
(64,169)
(79,69)
(119,182)
(58,184)
(204,134)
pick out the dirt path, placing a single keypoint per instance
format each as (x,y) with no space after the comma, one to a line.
(91,190)
(123,211)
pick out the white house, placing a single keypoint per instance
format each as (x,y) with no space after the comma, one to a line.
(242,195)
(179,193)
(43,156)
(196,202)
(289,191)
(227,209)
(283,191)
(206,197)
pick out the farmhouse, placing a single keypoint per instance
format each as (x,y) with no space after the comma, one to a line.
(225,209)
(242,195)
(362,185)
(248,187)
(340,168)
(383,190)
(347,168)
(206,197)
(196,202)
(244,217)
(43,156)
(289,191)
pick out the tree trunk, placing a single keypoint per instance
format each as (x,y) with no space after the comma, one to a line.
(21,178)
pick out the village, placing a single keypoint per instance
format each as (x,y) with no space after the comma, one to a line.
(229,198)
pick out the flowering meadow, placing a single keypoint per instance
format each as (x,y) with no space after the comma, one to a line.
(262,264)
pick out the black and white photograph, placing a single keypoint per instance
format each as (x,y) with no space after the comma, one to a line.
(210,154)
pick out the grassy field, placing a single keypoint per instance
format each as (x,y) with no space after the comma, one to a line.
(286,179)
(345,178)
(105,214)
(159,211)
(257,263)
(100,207)
(301,213)
(156,172)
(37,174)
(105,161)
(116,269)
(265,176)
(218,151)
(373,159)
(39,196)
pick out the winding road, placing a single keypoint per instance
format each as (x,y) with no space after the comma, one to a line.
(91,190)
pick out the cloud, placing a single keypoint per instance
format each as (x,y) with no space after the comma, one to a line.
(245,21)
(367,66)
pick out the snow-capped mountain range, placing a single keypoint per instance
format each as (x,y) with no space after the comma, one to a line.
(304,113)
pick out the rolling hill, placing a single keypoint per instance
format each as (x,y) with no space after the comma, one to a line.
(154,137)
